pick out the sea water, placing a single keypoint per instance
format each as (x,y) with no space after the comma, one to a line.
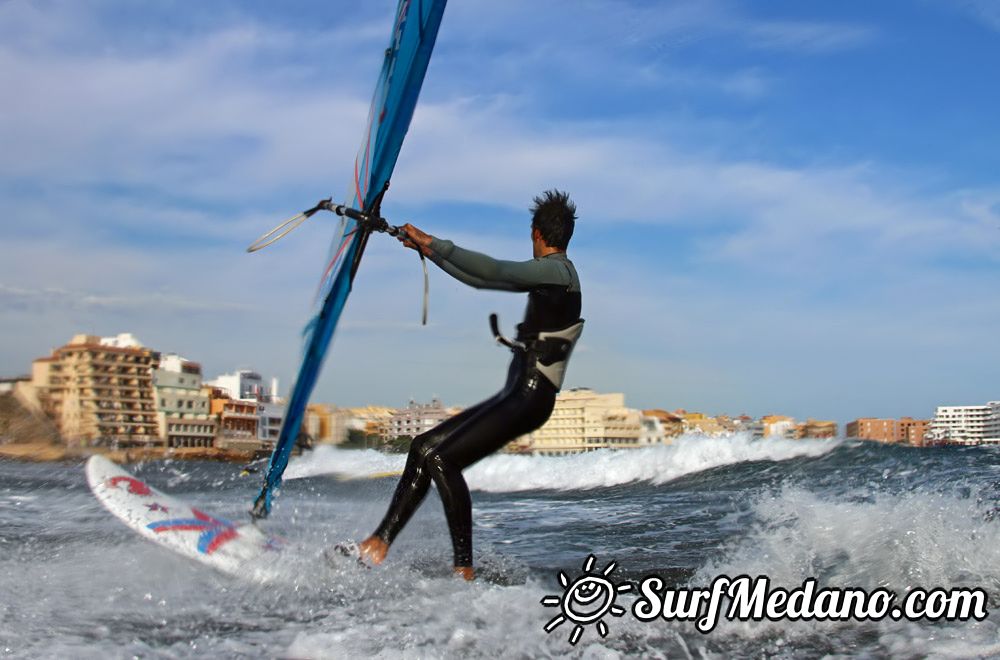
(74,582)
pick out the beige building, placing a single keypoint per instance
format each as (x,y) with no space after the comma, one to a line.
(100,390)
(584,420)
(812,428)
(371,420)
(700,423)
(325,424)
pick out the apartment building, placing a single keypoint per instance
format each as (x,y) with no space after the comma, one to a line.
(184,417)
(99,390)
(237,421)
(416,418)
(967,425)
(905,430)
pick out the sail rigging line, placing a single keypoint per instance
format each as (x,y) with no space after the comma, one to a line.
(269,238)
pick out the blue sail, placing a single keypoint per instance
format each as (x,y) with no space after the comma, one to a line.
(406,59)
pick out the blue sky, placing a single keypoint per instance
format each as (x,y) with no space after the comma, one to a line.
(784,207)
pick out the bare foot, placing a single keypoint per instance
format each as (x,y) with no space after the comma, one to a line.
(373,550)
(466,572)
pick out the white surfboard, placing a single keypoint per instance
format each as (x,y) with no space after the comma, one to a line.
(177,525)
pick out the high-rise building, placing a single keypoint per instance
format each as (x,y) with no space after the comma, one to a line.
(100,390)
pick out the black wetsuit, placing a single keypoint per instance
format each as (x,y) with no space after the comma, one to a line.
(523,405)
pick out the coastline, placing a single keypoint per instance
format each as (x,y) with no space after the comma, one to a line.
(43,452)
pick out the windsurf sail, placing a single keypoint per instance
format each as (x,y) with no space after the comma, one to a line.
(405,63)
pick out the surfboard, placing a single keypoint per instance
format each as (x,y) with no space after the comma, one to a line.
(174,524)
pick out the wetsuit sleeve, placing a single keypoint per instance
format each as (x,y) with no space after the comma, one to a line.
(485,272)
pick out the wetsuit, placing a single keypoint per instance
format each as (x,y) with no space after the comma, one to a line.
(550,327)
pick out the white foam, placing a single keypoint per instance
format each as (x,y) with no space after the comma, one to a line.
(898,541)
(351,463)
(511,473)
(655,464)
(895,540)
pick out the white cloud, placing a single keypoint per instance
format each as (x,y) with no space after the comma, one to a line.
(153,169)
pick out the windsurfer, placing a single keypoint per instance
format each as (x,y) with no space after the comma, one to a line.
(545,338)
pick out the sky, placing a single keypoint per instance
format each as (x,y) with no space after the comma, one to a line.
(784,207)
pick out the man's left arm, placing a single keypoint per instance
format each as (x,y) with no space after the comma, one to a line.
(520,275)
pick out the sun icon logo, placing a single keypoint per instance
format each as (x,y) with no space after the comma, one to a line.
(586,600)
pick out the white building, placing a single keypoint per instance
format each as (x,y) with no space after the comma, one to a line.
(967,425)
(993,422)
(248,385)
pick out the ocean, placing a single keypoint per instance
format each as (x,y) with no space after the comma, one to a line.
(77,583)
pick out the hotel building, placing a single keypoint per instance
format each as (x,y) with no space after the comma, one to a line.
(584,420)
(966,425)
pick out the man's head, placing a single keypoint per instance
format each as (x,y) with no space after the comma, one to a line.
(552,219)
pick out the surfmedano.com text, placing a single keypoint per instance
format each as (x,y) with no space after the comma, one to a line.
(753,599)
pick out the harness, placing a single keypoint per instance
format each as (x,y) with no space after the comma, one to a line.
(548,350)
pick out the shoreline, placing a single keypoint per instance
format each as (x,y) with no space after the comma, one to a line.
(43,452)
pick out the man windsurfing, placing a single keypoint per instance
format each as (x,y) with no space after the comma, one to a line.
(545,339)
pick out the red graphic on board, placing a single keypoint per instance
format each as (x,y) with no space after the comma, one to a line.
(135,486)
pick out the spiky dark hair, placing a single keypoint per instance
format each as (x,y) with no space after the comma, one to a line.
(554,216)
